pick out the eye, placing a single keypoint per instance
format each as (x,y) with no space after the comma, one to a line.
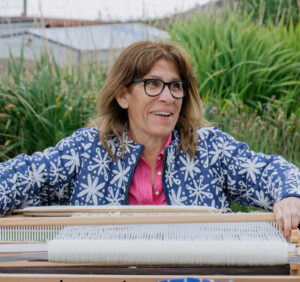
(176,85)
(154,83)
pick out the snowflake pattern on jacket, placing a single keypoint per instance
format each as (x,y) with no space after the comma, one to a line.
(79,171)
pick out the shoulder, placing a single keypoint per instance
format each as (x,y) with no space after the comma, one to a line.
(80,140)
(89,139)
(212,133)
(208,136)
(213,137)
(84,135)
(91,133)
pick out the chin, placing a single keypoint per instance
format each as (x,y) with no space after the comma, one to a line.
(163,132)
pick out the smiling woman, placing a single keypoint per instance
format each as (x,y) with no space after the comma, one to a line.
(150,144)
(151,120)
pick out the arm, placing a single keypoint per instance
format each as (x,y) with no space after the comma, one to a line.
(287,213)
(258,180)
(41,179)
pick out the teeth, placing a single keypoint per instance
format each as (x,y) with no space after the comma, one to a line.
(162,113)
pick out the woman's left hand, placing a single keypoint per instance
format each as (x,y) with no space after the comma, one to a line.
(287,214)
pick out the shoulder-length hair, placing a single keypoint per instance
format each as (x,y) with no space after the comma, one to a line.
(135,62)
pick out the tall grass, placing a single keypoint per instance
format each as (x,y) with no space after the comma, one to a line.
(271,132)
(262,11)
(248,75)
(235,58)
(41,106)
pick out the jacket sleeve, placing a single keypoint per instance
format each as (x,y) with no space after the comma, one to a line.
(43,178)
(255,179)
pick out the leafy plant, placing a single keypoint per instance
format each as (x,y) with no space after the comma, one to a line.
(40,106)
(236,58)
(275,11)
(270,132)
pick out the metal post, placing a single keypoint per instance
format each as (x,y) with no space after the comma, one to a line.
(24,8)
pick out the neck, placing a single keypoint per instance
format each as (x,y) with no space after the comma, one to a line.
(152,146)
(152,149)
(150,153)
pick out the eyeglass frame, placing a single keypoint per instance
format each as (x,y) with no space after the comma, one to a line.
(145,80)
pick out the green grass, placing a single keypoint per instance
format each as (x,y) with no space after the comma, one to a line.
(270,132)
(40,106)
(248,74)
(235,58)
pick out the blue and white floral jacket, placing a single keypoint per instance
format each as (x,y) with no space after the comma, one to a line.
(79,171)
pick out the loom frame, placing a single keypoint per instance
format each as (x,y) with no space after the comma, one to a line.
(177,217)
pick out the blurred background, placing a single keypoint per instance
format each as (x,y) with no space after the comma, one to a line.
(54,56)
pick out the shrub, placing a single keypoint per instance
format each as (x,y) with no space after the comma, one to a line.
(270,133)
(262,11)
(41,106)
(236,58)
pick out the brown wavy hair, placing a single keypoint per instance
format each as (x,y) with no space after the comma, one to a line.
(135,62)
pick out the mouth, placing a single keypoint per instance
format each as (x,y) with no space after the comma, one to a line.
(164,114)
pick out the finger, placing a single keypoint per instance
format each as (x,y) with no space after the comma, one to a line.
(279,217)
(295,220)
(287,225)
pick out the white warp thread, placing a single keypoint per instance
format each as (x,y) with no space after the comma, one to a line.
(168,252)
(201,243)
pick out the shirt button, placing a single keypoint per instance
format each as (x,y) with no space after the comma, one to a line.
(156,193)
(158,158)
(159,173)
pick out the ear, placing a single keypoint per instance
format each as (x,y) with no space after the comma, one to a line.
(121,98)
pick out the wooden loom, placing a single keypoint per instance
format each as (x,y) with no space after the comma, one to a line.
(21,265)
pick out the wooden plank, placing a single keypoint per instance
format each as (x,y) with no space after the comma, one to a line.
(52,268)
(295,270)
(135,219)
(112,209)
(135,278)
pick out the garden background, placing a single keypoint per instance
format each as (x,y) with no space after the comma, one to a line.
(246,56)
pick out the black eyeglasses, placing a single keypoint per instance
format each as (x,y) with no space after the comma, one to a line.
(154,87)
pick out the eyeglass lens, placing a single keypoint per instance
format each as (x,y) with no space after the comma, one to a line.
(154,87)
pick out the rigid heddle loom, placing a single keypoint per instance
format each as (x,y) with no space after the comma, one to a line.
(146,240)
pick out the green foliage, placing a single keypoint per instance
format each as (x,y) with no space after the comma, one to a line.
(235,58)
(41,106)
(263,11)
(238,208)
(248,77)
(270,133)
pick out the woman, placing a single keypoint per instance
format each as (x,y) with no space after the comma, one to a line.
(150,144)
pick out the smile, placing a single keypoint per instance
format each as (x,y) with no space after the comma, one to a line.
(162,114)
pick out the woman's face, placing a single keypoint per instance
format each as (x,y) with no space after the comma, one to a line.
(151,117)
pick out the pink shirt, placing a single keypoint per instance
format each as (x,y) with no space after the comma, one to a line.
(140,190)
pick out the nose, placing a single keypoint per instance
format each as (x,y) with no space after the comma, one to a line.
(166,95)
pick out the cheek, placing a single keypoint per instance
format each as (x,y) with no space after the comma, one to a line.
(143,107)
(139,101)
(179,106)
(137,110)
